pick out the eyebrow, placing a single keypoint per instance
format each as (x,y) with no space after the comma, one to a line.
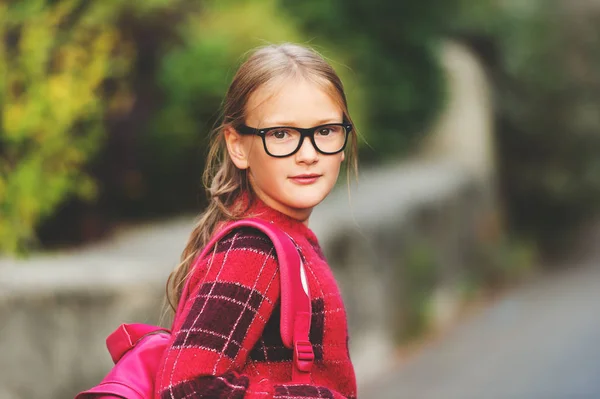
(293,124)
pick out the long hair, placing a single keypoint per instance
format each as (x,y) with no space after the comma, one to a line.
(224,182)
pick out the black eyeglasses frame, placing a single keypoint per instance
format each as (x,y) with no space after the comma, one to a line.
(308,132)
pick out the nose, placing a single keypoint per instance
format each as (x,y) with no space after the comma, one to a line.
(307,153)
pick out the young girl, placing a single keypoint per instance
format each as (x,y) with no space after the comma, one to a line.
(276,156)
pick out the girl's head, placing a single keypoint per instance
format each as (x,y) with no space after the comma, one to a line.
(278,89)
(291,170)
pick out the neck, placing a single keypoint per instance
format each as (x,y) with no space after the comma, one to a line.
(302,215)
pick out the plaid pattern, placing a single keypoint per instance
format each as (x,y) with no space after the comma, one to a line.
(246,240)
(228,344)
(227,386)
(270,347)
(302,391)
(219,318)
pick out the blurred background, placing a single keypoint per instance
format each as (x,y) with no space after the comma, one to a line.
(478,189)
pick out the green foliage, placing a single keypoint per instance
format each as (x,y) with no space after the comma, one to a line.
(421,272)
(55,59)
(111,103)
(392,46)
(499,263)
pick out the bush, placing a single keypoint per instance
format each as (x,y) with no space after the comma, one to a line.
(67,66)
(55,59)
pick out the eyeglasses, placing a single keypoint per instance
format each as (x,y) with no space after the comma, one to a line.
(283,141)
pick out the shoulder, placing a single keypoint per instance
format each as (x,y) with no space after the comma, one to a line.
(242,250)
(244,258)
(245,239)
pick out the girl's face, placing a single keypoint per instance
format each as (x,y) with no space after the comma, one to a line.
(279,182)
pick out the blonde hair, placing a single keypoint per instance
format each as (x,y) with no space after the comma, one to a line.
(223,180)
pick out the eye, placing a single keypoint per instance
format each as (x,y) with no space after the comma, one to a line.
(330,131)
(325,131)
(278,134)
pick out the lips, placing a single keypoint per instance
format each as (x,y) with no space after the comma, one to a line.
(305,178)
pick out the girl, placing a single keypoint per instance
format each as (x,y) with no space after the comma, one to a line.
(276,155)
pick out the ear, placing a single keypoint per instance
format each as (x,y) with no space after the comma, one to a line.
(343,156)
(236,147)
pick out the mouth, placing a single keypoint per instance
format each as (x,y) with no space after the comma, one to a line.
(305,178)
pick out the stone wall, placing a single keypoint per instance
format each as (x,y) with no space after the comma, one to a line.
(410,233)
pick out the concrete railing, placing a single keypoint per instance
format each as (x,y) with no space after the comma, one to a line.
(423,215)
(56,309)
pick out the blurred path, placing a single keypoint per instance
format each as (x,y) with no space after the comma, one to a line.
(541,341)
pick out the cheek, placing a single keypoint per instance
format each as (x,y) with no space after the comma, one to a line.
(333,169)
(266,169)
(336,162)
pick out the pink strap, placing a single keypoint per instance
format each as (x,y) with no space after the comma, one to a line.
(295,302)
(303,350)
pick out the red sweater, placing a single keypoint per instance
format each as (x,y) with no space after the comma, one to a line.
(227,345)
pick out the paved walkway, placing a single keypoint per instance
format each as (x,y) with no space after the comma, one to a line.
(539,342)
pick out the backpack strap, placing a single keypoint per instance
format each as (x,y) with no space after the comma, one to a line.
(295,299)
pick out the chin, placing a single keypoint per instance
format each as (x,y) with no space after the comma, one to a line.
(304,201)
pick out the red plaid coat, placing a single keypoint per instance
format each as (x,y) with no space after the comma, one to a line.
(227,344)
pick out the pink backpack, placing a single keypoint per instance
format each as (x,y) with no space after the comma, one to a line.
(137,349)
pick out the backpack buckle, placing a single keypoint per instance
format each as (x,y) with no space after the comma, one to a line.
(304,355)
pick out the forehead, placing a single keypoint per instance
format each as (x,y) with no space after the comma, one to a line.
(294,102)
